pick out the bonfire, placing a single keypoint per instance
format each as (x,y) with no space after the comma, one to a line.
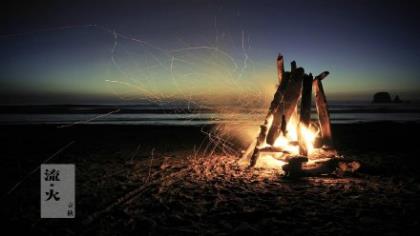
(290,139)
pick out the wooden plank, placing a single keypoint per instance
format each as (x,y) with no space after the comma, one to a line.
(270,149)
(281,89)
(283,78)
(282,114)
(277,105)
(322,76)
(274,106)
(340,166)
(287,105)
(305,111)
(280,68)
(293,93)
(322,109)
(293,66)
(260,141)
(275,128)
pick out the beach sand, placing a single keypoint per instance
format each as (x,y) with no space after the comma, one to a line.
(156,180)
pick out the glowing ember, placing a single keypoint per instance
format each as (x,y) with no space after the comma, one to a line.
(269,162)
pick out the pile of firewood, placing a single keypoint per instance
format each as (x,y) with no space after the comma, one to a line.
(294,86)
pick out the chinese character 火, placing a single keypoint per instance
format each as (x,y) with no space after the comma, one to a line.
(52,194)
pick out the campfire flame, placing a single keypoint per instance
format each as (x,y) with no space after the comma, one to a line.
(289,142)
(309,135)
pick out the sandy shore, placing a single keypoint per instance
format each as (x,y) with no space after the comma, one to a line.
(151,179)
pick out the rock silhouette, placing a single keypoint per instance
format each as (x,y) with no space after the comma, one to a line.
(397,99)
(382,97)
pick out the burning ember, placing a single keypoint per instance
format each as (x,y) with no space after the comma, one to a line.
(289,140)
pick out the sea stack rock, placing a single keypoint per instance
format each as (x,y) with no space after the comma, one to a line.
(382,97)
(397,99)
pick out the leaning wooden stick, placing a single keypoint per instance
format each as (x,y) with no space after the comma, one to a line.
(283,80)
(280,68)
(288,104)
(305,112)
(322,109)
(274,106)
(293,93)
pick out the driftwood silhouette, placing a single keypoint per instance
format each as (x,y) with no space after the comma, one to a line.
(294,86)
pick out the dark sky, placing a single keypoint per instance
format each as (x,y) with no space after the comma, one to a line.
(96,52)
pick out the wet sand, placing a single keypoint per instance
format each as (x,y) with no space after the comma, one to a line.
(152,179)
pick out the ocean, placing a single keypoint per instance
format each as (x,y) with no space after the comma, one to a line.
(146,114)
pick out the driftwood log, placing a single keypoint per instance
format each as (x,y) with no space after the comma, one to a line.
(274,106)
(277,103)
(322,109)
(288,103)
(305,112)
(296,167)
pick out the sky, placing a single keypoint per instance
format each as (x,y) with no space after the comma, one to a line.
(61,52)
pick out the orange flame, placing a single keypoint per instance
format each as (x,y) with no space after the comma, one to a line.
(288,142)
